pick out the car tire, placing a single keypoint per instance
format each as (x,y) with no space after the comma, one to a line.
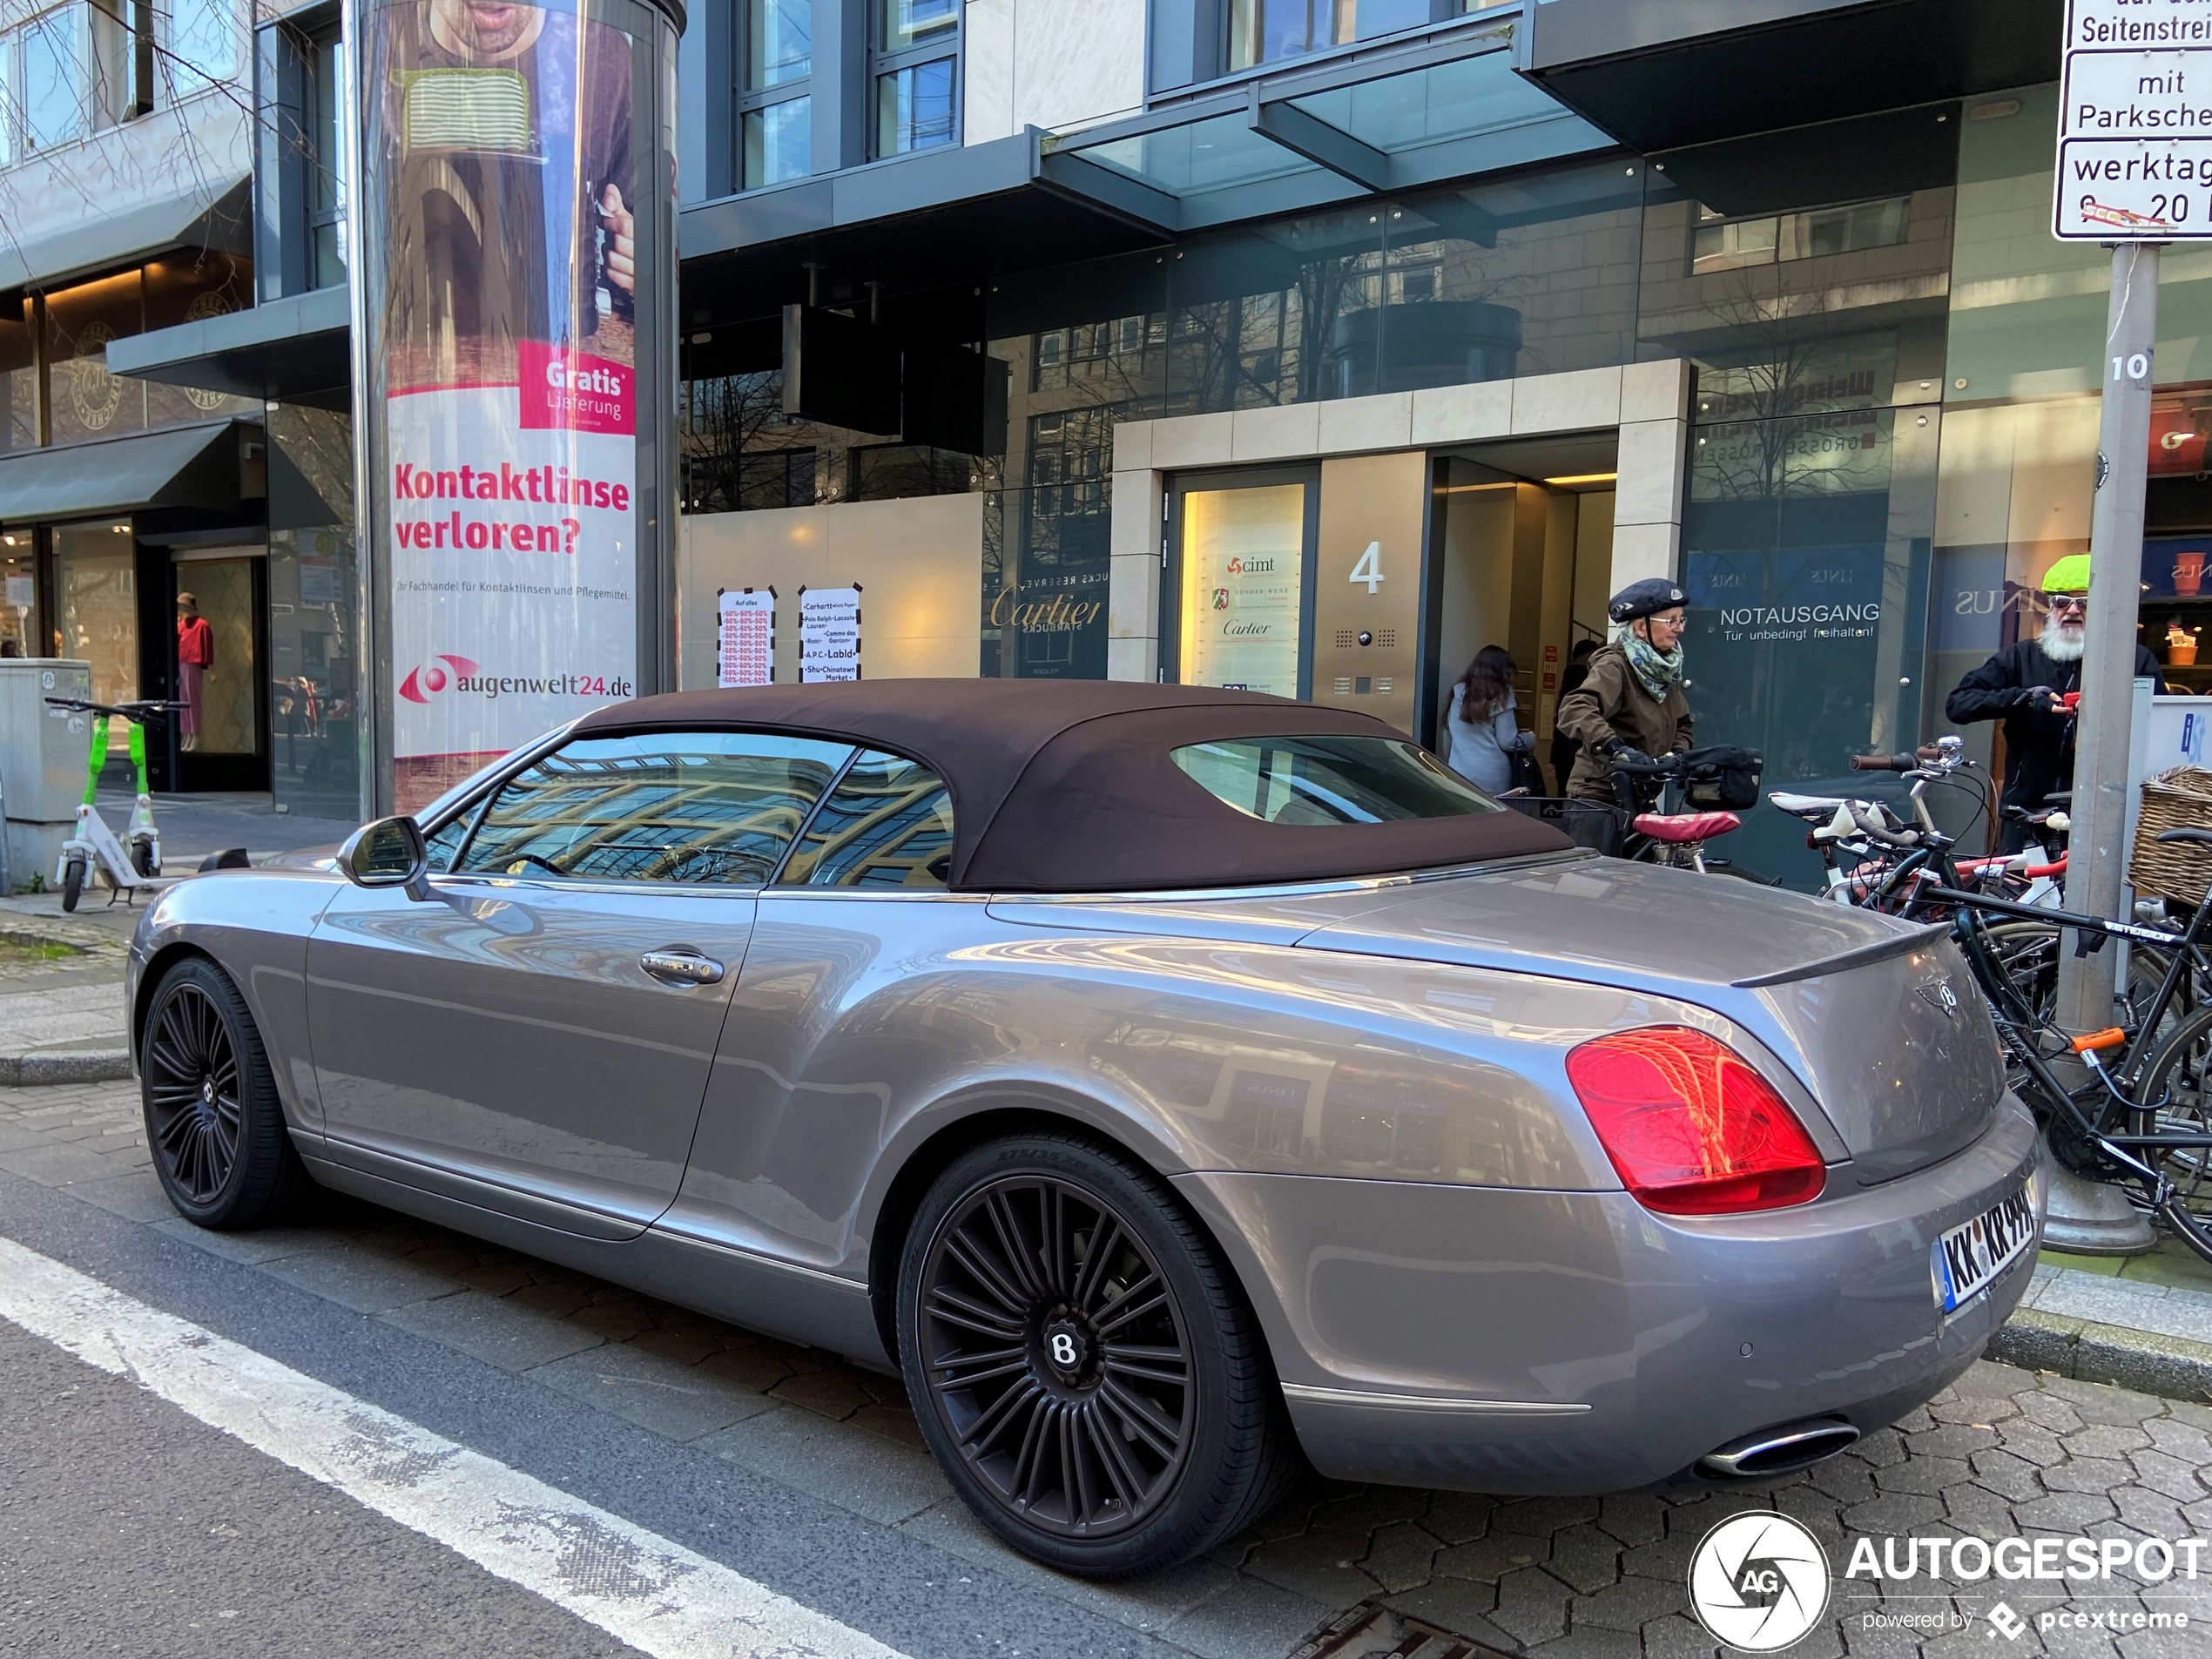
(72,883)
(214,1124)
(1105,1414)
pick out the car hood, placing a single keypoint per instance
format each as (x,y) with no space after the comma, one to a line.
(1880,1019)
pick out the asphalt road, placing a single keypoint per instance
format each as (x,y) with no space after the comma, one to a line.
(129,1524)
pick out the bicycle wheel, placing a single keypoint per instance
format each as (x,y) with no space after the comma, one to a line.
(2177,1077)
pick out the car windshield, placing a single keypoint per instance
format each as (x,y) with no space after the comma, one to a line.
(1331,780)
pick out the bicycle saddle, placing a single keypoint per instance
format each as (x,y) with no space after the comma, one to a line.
(1686,826)
(1820,807)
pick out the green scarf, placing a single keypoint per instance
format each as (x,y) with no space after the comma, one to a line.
(1655,671)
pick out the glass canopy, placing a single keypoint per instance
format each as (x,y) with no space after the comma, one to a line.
(1457,109)
(1209,154)
(1457,100)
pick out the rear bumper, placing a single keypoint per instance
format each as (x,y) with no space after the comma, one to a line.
(1507,1340)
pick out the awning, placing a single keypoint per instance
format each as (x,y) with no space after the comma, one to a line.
(941,218)
(1450,107)
(216,215)
(192,465)
(1453,108)
(292,350)
(1659,77)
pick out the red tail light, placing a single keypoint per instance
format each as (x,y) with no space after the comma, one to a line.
(1693,1130)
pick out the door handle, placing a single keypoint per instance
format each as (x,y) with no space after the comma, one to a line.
(681,968)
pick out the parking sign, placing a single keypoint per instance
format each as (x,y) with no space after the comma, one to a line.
(2136,122)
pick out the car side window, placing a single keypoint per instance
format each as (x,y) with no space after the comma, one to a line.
(887,823)
(447,842)
(715,808)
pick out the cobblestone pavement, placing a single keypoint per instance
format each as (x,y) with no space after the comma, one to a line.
(2004,1452)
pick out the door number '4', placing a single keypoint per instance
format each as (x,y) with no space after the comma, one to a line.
(1369,570)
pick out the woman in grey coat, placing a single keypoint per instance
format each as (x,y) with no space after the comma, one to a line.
(1480,736)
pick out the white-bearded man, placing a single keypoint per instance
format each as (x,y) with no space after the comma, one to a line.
(2022,685)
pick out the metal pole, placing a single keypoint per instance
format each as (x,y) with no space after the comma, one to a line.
(2086,1215)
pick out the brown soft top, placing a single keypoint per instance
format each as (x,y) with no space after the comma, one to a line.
(1069,786)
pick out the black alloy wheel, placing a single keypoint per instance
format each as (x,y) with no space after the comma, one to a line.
(213,1121)
(1082,1367)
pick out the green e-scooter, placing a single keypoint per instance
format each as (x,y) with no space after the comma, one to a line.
(94,849)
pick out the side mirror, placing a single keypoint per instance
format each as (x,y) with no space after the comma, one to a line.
(390,853)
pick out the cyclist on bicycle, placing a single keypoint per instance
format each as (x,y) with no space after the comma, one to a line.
(1631,703)
(2023,685)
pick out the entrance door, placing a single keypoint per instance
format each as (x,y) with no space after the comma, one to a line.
(1241,587)
(221,736)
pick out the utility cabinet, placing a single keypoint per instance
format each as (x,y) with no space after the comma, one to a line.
(43,759)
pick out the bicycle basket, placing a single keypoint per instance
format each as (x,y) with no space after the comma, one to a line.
(2180,798)
(1592,824)
(1721,780)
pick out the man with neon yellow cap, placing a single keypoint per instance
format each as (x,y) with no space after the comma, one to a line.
(2022,685)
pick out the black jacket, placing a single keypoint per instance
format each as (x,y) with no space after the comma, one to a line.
(2039,747)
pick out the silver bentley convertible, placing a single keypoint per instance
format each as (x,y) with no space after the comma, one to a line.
(1169,1083)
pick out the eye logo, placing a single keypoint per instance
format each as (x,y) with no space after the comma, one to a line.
(426,682)
(1759,1582)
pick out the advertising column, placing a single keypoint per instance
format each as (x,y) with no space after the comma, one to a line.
(513,369)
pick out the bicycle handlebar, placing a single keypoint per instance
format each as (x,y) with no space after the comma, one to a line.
(137,710)
(1926,755)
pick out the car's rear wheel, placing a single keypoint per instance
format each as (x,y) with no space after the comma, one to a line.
(1083,1366)
(213,1122)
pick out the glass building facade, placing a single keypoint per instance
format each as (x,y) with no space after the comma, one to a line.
(1893,415)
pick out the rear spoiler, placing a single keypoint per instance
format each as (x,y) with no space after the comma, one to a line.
(1903,945)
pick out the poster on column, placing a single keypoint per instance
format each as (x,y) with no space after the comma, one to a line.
(507,323)
(746,653)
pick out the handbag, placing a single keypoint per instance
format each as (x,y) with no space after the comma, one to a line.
(1526,773)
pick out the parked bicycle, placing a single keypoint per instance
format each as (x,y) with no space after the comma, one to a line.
(2142,1120)
(1873,859)
(1659,800)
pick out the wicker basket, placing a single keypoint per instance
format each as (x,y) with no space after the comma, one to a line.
(2177,799)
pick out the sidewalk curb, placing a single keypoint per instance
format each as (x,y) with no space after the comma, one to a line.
(2082,1349)
(79,1066)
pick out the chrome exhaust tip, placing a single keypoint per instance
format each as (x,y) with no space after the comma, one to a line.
(1778,1451)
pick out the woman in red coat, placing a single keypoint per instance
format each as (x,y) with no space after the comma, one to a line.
(195,656)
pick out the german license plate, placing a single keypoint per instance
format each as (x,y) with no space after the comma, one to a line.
(1966,1260)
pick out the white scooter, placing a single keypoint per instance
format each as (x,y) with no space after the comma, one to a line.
(93,851)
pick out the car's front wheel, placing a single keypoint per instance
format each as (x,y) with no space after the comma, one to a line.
(1083,1366)
(213,1122)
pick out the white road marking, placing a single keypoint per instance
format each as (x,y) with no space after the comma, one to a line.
(636,1585)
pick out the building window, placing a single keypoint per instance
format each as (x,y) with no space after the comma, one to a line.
(203,46)
(49,53)
(1731,246)
(325,181)
(92,64)
(915,68)
(775,60)
(1268,31)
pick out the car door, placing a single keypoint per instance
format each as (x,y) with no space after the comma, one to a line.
(824,1026)
(540,1028)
